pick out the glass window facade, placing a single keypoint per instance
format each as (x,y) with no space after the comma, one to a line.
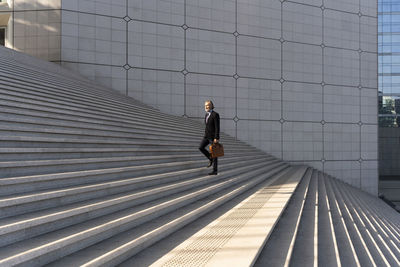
(389,62)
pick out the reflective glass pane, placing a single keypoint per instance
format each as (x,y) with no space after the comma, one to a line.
(394,18)
(386,7)
(395,7)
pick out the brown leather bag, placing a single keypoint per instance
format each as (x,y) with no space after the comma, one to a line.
(216,150)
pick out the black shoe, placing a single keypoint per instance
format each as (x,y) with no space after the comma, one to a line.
(213,173)
(210,163)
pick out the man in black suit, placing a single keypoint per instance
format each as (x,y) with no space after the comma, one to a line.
(211,134)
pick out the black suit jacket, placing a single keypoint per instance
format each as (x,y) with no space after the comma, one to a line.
(212,126)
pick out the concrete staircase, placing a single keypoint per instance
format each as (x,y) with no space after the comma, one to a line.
(93,178)
(329,223)
(324,223)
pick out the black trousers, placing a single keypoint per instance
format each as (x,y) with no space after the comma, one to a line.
(203,150)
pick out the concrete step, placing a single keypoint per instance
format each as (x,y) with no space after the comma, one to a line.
(8,133)
(15,185)
(97,113)
(127,244)
(328,252)
(103,109)
(26,184)
(32,125)
(367,249)
(279,246)
(363,250)
(347,254)
(388,220)
(28,132)
(42,131)
(12,114)
(243,230)
(24,120)
(306,242)
(36,167)
(350,222)
(372,207)
(52,246)
(35,110)
(16,154)
(18,87)
(382,248)
(85,90)
(16,72)
(80,203)
(53,72)
(391,219)
(21,141)
(56,73)
(74,96)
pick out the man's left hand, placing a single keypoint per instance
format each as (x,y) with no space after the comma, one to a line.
(215,141)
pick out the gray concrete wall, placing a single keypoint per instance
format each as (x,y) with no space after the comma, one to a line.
(297,79)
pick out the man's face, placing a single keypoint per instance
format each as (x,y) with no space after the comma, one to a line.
(207,106)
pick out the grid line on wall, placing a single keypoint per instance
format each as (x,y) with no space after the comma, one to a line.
(236,77)
(323,159)
(99,14)
(126,48)
(61,30)
(300,121)
(360,87)
(212,74)
(216,74)
(219,31)
(184,71)
(282,79)
(377,92)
